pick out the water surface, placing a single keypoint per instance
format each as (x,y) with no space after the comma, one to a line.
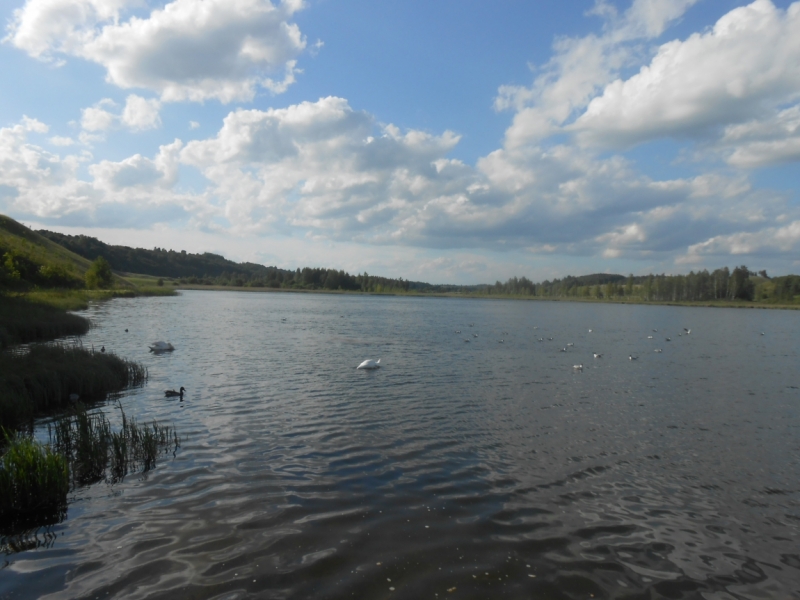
(474,469)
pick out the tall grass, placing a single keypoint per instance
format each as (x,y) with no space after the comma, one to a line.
(96,451)
(83,449)
(34,481)
(22,322)
(43,378)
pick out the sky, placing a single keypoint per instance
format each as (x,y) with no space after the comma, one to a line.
(455,141)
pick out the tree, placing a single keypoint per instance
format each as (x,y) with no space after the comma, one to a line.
(99,274)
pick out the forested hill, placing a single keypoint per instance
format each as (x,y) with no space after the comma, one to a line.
(160,262)
(740,284)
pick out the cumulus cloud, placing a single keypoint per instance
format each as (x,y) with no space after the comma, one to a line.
(768,241)
(138,114)
(748,62)
(330,172)
(187,50)
(581,66)
(139,172)
(97,118)
(36,181)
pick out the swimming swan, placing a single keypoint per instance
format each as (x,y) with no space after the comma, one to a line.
(173,393)
(161,347)
(370,364)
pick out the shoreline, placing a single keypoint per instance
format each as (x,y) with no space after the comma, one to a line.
(638,302)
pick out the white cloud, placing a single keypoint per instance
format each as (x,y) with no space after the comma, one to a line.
(41,183)
(140,113)
(768,241)
(187,50)
(764,142)
(748,62)
(97,118)
(582,66)
(58,140)
(139,172)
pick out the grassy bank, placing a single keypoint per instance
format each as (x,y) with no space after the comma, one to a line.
(41,315)
(42,379)
(23,321)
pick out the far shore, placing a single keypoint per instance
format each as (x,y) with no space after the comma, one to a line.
(633,301)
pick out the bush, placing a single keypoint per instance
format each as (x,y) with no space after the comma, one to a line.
(99,275)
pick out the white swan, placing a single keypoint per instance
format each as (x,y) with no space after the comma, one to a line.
(161,347)
(370,364)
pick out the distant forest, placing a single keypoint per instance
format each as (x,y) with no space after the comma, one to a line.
(213,269)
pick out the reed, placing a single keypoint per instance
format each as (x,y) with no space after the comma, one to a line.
(34,480)
(95,451)
(42,379)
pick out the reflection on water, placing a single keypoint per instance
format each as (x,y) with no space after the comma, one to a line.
(479,470)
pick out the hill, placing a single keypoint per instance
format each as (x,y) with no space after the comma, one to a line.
(29,259)
(159,262)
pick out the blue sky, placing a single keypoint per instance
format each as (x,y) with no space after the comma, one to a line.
(457,141)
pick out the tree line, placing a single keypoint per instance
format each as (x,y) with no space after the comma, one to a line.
(724,284)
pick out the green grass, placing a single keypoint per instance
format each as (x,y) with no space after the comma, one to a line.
(83,449)
(34,481)
(42,379)
(23,321)
(95,451)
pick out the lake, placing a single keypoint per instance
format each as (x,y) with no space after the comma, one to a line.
(476,463)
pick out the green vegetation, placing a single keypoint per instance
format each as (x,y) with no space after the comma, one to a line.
(34,481)
(95,451)
(42,379)
(99,275)
(720,287)
(83,449)
(24,321)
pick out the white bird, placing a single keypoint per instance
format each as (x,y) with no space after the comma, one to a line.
(578,367)
(570,344)
(370,364)
(590,331)
(667,339)
(596,355)
(161,347)
(649,337)
(657,350)
(563,350)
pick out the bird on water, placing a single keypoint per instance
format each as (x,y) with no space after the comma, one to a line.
(174,394)
(370,364)
(161,347)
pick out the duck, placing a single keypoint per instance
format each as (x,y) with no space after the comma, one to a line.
(578,367)
(658,350)
(161,347)
(174,394)
(632,357)
(103,349)
(596,355)
(370,364)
